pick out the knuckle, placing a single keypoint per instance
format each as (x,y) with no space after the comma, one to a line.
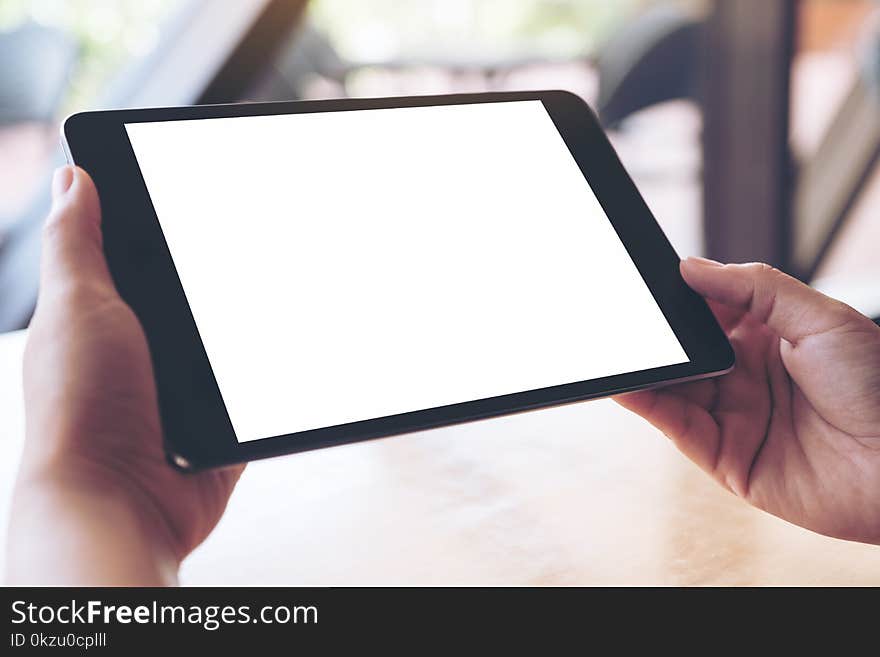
(70,222)
(52,228)
(849,315)
(766,277)
(763,270)
(80,293)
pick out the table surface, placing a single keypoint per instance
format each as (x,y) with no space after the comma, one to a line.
(580,494)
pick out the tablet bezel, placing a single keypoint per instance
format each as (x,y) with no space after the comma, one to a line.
(198,432)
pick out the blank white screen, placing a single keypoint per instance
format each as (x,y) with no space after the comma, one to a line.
(350,265)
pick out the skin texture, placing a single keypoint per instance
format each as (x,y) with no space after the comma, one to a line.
(794,429)
(95,501)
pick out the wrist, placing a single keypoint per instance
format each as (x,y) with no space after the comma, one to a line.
(107,532)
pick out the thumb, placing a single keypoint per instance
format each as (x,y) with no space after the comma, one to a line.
(72,245)
(790,308)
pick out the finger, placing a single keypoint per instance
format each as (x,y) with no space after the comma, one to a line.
(233,474)
(690,427)
(703,393)
(728,317)
(72,245)
(790,308)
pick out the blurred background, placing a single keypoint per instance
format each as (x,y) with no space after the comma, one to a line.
(750,126)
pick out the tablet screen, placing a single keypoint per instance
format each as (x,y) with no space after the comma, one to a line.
(350,265)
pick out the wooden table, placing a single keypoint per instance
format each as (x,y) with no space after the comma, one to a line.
(582,494)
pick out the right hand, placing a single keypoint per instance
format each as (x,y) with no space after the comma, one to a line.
(795,428)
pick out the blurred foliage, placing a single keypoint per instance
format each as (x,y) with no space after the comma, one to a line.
(378,30)
(108,33)
(112,32)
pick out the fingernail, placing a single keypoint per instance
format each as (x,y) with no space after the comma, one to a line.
(703,262)
(61,181)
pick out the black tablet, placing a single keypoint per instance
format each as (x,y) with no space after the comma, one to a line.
(322,272)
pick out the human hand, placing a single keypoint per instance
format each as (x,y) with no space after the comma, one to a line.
(795,428)
(95,501)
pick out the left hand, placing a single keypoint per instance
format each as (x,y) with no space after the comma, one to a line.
(94,480)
